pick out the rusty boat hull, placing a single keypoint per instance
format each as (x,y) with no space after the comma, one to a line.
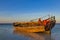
(30,29)
(34,27)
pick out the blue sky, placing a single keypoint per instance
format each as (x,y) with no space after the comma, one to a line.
(24,10)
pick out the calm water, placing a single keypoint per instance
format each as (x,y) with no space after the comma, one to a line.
(7,32)
(56,32)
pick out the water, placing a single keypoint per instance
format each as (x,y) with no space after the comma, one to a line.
(7,32)
(55,33)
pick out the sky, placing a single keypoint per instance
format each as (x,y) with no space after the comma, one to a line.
(25,10)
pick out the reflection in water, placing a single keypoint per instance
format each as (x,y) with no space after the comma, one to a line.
(34,36)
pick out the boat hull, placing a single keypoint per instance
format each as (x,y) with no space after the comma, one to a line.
(48,27)
(30,29)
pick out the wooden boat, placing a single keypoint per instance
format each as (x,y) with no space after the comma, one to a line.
(38,26)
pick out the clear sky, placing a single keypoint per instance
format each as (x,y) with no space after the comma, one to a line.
(24,10)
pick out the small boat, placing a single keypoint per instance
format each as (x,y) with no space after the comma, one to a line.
(36,26)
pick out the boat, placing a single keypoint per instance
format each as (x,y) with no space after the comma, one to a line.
(44,25)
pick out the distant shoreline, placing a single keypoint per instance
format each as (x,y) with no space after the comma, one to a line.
(5,23)
(58,23)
